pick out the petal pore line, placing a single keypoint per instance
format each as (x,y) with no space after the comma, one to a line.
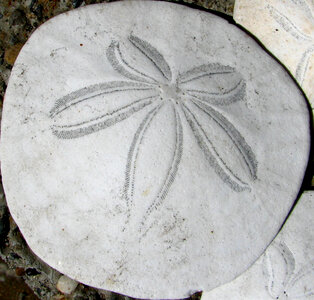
(95,90)
(119,65)
(235,136)
(133,155)
(101,122)
(153,55)
(286,24)
(150,78)
(171,173)
(230,96)
(204,70)
(211,154)
(303,65)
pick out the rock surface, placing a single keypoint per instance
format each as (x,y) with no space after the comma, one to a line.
(66,285)
(99,106)
(286,270)
(286,28)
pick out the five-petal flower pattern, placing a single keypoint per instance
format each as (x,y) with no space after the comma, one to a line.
(282,280)
(304,35)
(181,96)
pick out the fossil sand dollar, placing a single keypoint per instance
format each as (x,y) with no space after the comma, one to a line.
(149,148)
(286,270)
(286,28)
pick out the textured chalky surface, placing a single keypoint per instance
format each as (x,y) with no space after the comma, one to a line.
(286,28)
(133,155)
(286,270)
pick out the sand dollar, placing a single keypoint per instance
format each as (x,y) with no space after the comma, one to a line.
(149,148)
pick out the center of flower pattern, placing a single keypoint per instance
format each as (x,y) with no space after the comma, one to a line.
(169,92)
(196,102)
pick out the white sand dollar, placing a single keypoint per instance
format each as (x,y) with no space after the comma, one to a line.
(286,270)
(286,28)
(150,149)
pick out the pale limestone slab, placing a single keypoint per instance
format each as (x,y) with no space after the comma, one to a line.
(152,157)
(286,28)
(286,270)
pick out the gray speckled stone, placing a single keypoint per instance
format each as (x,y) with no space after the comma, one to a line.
(149,158)
(286,270)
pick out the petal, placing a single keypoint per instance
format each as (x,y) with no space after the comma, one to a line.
(235,136)
(101,122)
(306,7)
(302,285)
(303,65)
(287,25)
(204,70)
(153,55)
(155,148)
(133,155)
(232,95)
(278,267)
(171,172)
(211,154)
(119,63)
(89,93)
